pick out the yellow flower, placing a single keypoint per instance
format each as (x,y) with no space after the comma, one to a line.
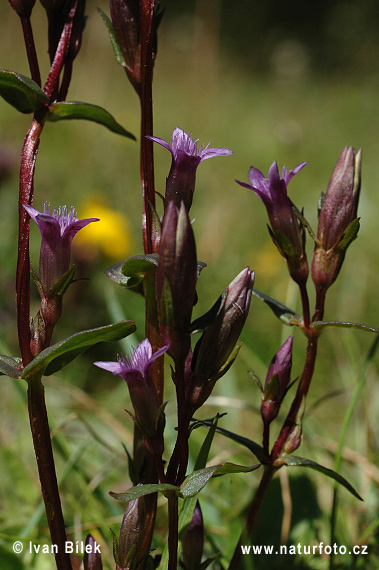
(112,237)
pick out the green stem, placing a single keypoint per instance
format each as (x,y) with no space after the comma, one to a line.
(268,474)
(46,469)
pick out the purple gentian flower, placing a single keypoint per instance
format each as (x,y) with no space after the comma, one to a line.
(136,371)
(58,230)
(186,157)
(286,230)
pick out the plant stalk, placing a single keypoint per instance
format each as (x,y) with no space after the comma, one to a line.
(268,474)
(46,469)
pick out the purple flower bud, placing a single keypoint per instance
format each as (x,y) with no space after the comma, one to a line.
(277,380)
(286,231)
(186,157)
(23,8)
(193,540)
(338,223)
(136,371)
(131,534)
(92,556)
(212,351)
(58,231)
(125,20)
(176,280)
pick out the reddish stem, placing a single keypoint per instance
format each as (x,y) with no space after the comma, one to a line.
(268,473)
(27,167)
(46,469)
(301,393)
(146,98)
(52,81)
(31,50)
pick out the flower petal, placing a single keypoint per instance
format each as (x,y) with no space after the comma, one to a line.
(114,367)
(160,141)
(211,152)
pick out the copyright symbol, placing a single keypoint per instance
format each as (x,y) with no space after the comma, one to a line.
(17,547)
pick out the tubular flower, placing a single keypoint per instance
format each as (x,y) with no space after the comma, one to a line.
(285,229)
(186,157)
(136,371)
(58,230)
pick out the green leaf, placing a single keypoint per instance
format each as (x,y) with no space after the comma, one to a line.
(141,490)
(21,91)
(188,506)
(255,448)
(320,325)
(67,110)
(58,355)
(11,366)
(140,265)
(112,36)
(115,274)
(197,480)
(293,461)
(286,315)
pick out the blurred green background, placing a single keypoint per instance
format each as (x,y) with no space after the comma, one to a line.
(272,81)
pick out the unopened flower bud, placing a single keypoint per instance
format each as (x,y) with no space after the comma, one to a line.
(128,549)
(338,223)
(216,344)
(126,23)
(176,280)
(193,541)
(294,438)
(92,557)
(277,381)
(23,8)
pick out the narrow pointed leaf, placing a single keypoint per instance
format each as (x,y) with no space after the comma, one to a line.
(21,92)
(293,461)
(198,479)
(10,366)
(112,36)
(58,355)
(251,445)
(67,110)
(286,315)
(141,490)
(320,325)
(186,512)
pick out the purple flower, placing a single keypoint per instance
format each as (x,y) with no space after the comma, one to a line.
(58,230)
(186,157)
(285,228)
(136,371)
